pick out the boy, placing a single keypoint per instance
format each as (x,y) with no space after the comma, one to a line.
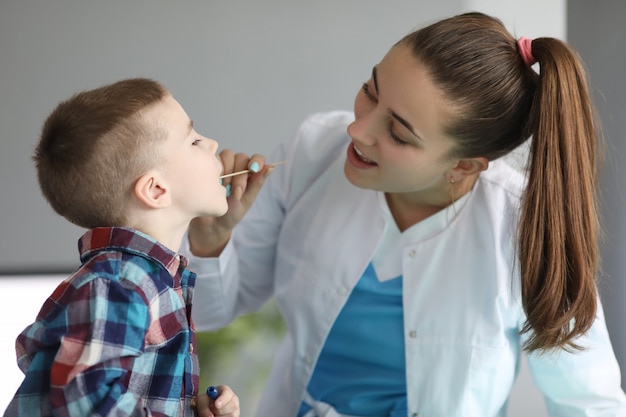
(116,337)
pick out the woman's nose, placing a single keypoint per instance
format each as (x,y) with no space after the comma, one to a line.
(364,129)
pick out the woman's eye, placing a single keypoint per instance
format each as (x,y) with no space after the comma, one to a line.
(396,138)
(195,142)
(368,94)
(366,90)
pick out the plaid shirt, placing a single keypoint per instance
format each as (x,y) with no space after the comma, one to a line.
(115,338)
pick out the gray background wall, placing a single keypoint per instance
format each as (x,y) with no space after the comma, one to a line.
(596,29)
(246,71)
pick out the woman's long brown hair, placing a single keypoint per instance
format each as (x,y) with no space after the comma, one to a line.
(498,103)
(559,225)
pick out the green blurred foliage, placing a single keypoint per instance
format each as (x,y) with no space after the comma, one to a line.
(240,355)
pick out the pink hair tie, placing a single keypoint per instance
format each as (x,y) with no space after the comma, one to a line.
(524,45)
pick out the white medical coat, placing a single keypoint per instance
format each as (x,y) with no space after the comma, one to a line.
(310,235)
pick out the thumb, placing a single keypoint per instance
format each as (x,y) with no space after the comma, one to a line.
(254,186)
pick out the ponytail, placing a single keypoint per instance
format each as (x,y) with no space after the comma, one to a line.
(559,228)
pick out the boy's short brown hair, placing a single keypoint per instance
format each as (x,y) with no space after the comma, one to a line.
(94,146)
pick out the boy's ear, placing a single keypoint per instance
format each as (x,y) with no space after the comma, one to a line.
(151,190)
(469,166)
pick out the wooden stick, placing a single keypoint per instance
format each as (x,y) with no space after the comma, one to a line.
(245,171)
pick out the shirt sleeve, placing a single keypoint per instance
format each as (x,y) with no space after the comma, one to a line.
(241,280)
(581,383)
(106,326)
(216,287)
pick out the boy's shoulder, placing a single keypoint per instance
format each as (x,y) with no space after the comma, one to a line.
(104,275)
(123,268)
(124,255)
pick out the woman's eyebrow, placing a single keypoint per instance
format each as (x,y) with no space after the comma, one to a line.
(403,122)
(392,113)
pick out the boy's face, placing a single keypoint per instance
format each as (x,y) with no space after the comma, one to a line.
(191,167)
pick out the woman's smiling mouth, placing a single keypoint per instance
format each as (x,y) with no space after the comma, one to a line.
(357,158)
(362,156)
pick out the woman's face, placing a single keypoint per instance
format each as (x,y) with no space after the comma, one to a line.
(398,143)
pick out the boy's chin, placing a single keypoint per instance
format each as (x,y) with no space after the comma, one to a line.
(216,211)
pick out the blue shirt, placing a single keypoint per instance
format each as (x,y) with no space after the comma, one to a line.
(361,370)
(115,338)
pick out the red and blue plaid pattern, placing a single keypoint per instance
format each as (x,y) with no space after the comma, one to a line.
(115,338)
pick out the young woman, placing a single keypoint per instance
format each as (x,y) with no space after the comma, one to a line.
(410,262)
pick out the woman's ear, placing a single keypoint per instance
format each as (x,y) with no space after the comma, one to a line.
(152,191)
(468,167)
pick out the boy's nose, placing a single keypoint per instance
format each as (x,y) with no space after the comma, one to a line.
(213,145)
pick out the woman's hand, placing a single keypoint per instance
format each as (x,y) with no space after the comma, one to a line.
(209,235)
(225,405)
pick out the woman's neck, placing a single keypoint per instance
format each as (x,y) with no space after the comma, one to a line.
(408,209)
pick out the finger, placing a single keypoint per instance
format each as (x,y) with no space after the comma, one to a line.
(254,185)
(227,157)
(228,408)
(254,179)
(202,408)
(242,162)
(227,402)
(257,163)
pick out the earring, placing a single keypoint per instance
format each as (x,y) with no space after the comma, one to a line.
(451,180)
